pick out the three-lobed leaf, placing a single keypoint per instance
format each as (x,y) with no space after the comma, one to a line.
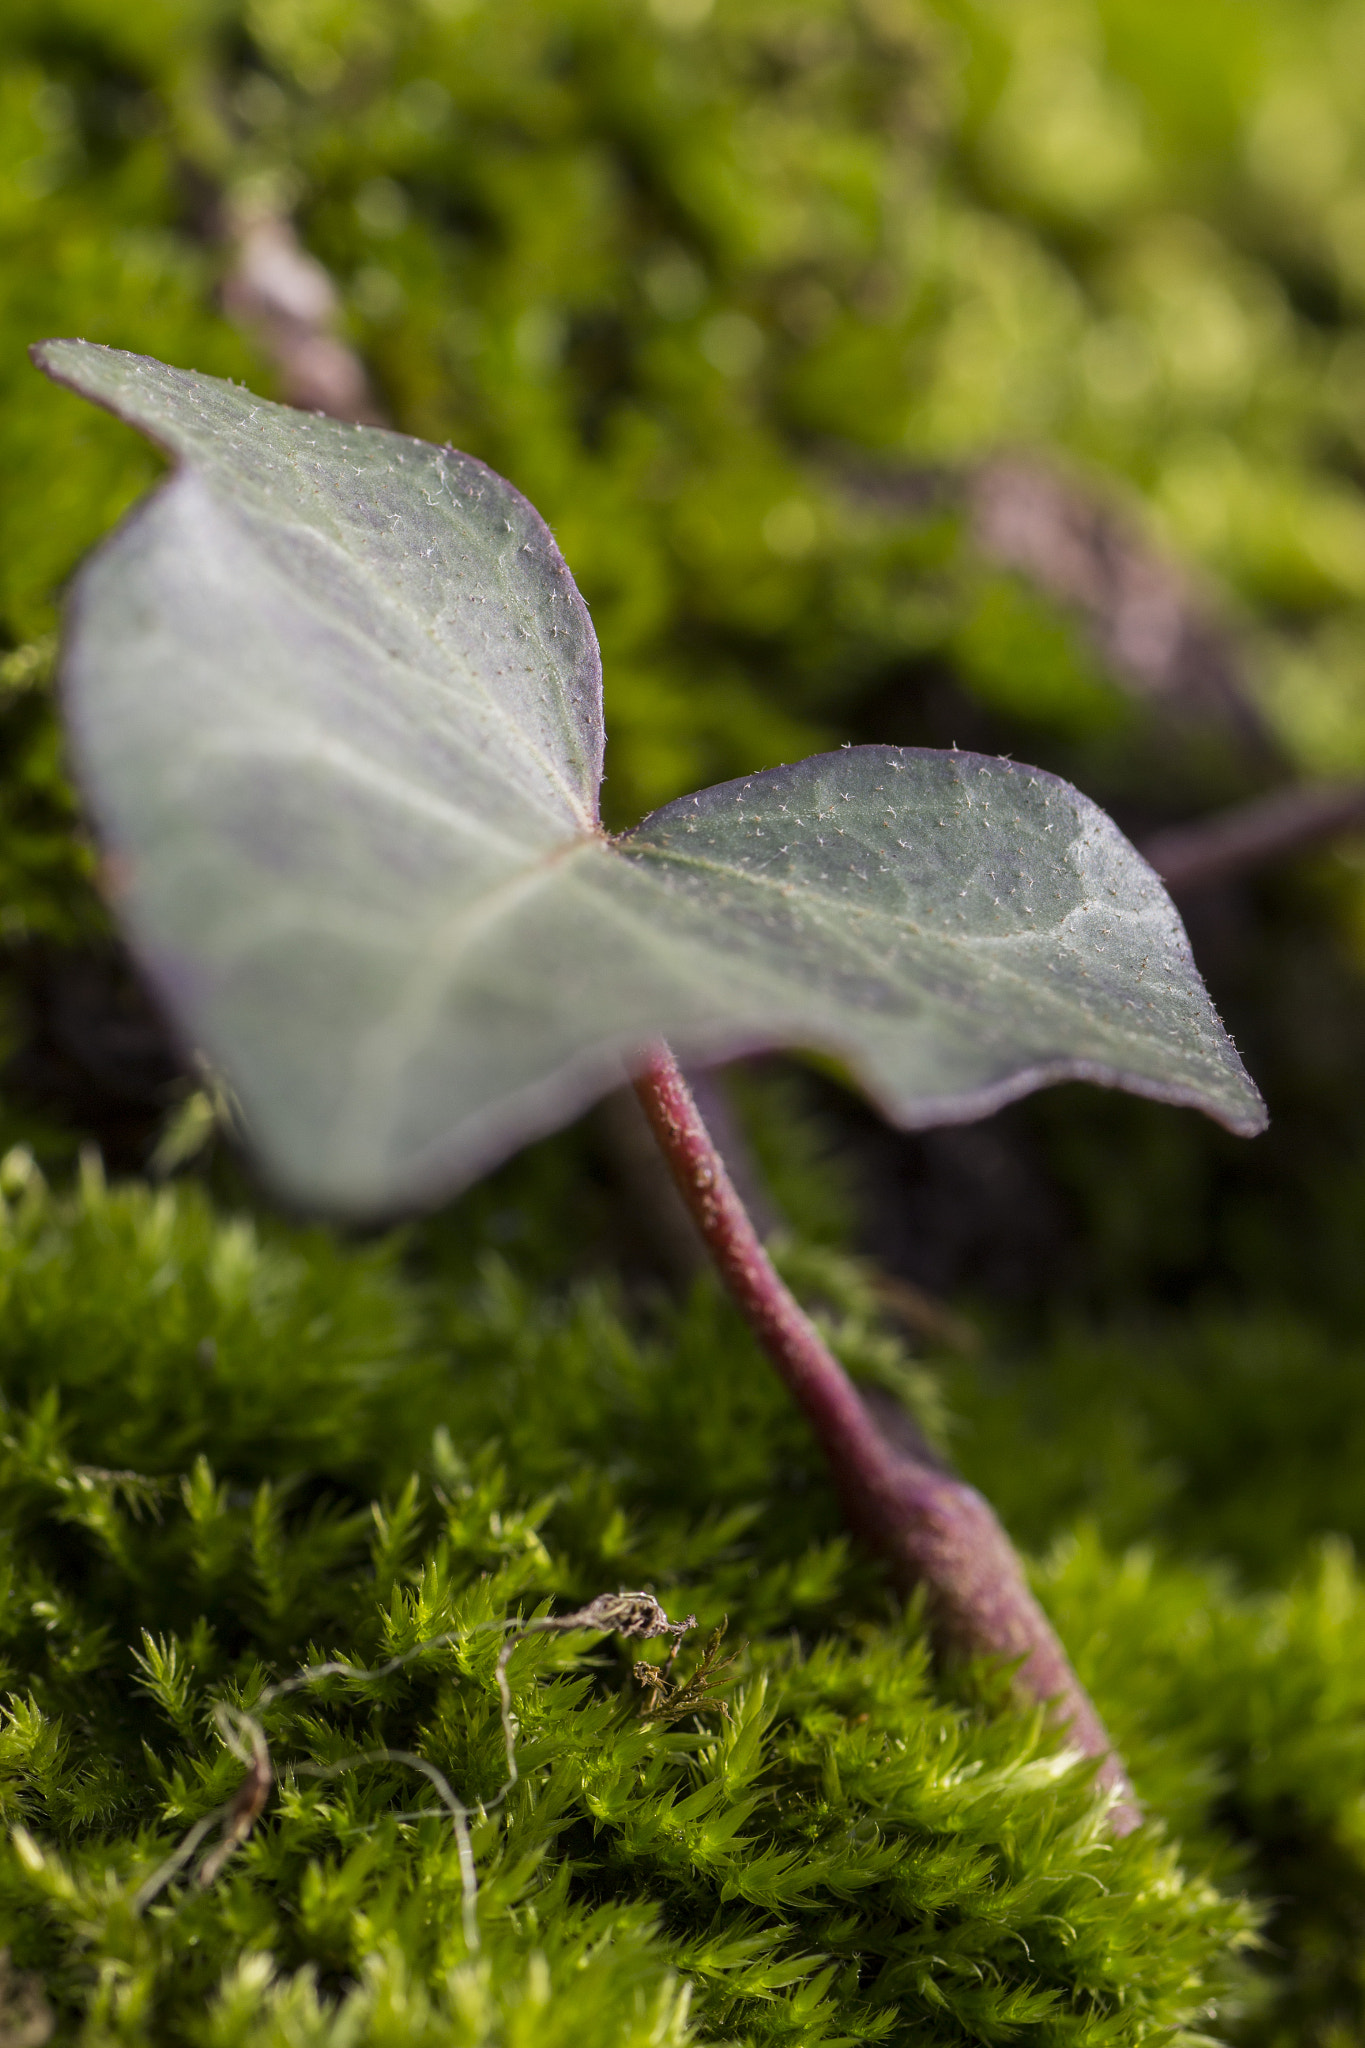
(336,704)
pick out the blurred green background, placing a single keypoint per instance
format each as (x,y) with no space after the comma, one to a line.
(705,283)
(737,295)
(909,370)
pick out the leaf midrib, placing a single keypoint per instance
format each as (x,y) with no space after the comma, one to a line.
(828,905)
(372,1067)
(583,815)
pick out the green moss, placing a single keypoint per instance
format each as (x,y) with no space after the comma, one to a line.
(670,274)
(736,295)
(847,1855)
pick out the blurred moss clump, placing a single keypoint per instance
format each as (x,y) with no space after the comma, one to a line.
(738,294)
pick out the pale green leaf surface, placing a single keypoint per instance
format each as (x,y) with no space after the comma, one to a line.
(962,928)
(336,704)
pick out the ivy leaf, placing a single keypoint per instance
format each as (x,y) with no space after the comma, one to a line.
(336,704)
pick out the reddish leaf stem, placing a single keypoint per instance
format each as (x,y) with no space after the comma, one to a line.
(932,1528)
